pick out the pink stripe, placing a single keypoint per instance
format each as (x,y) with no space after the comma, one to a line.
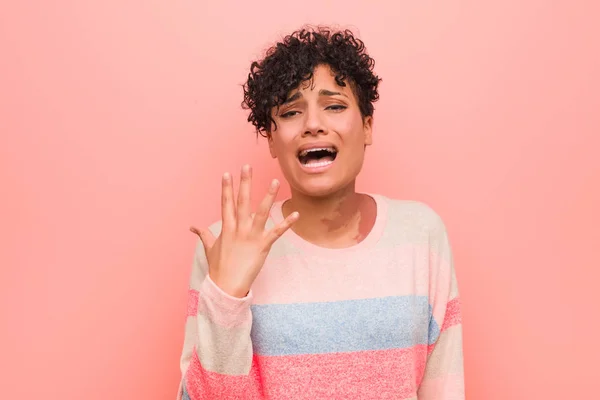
(222,309)
(430,349)
(387,374)
(192,306)
(451,318)
(222,318)
(206,385)
(395,271)
(453,315)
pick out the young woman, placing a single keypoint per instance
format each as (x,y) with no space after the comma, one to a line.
(330,294)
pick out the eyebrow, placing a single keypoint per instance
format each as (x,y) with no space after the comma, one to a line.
(325,92)
(322,92)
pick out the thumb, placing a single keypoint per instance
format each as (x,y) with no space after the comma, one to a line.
(206,237)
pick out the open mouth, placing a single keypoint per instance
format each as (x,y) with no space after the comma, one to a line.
(318,157)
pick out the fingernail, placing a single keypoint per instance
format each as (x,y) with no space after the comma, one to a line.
(274,183)
(246,168)
(226,176)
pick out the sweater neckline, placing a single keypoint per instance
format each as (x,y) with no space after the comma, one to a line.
(372,237)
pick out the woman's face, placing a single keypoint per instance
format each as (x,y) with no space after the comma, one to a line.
(320,135)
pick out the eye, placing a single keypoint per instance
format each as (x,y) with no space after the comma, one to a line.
(336,107)
(289,114)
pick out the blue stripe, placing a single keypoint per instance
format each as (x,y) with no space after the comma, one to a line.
(185,395)
(344,326)
(434,328)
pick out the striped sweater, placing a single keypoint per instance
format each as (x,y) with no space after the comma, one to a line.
(378,320)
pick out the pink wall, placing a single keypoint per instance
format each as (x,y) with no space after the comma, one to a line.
(117,119)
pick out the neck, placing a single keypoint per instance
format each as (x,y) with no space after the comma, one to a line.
(337,220)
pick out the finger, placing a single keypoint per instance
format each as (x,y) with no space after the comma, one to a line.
(206,237)
(227,204)
(264,208)
(281,228)
(243,205)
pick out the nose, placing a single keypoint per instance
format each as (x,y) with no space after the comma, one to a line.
(314,125)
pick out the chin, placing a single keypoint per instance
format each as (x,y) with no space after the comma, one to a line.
(322,183)
(319,188)
(317,192)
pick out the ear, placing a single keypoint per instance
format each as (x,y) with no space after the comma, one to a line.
(271,145)
(368,130)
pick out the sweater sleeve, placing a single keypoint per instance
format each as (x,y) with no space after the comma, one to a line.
(443,377)
(216,361)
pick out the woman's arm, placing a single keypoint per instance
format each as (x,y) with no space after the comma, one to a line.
(444,377)
(216,361)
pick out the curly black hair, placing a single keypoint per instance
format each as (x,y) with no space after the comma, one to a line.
(293,60)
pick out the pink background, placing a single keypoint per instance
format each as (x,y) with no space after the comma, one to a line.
(117,119)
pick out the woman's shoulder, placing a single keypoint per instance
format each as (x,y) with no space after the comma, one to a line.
(412,215)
